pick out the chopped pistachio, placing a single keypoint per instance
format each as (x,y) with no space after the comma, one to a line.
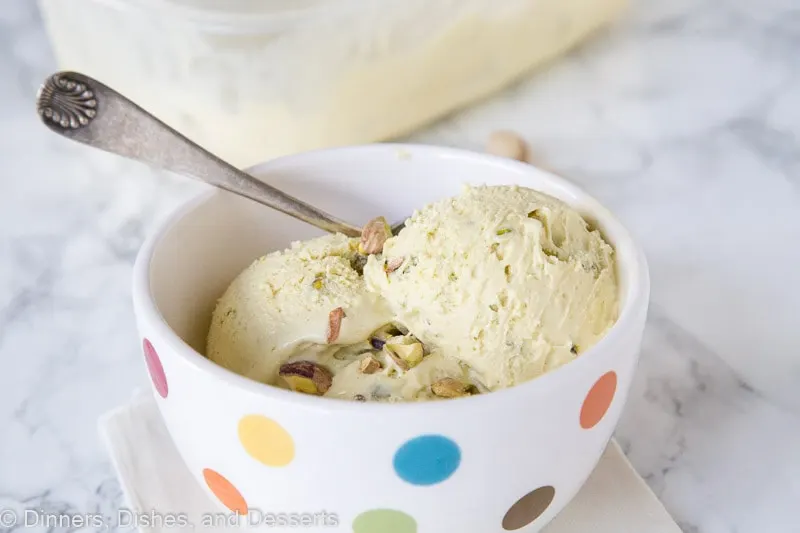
(401,364)
(334,324)
(369,365)
(452,276)
(507,272)
(549,252)
(508,144)
(374,235)
(450,388)
(379,337)
(272,290)
(319,279)
(503,231)
(307,377)
(393,264)
(574,349)
(391,348)
(358,262)
(401,339)
(495,249)
(493,307)
(410,355)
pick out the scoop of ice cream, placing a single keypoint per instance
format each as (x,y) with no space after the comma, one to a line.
(478,292)
(508,280)
(283,301)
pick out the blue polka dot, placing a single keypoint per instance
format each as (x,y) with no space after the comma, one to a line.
(427,460)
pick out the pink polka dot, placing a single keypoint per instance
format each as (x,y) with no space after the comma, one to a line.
(155,369)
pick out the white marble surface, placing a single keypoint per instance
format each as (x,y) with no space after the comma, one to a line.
(685,120)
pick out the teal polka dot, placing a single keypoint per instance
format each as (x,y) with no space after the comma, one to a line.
(427,460)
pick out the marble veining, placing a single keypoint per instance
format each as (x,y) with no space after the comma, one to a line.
(684,119)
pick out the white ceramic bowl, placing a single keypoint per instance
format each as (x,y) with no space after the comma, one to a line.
(502,461)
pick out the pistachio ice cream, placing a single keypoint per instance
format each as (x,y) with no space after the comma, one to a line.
(478,292)
(280,305)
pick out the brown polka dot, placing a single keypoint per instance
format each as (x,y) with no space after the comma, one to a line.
(225,491)
(598,400)
(529,508)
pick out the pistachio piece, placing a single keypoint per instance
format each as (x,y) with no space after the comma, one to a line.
(406,352)
(450,388)
(358,262)
(334,324)
(393,264)
(412,354)
(307,377)
(369,365)
(401,338)
(379,337)
(374,235)
(508,144)
(399,361)
(495,249)
(319,281)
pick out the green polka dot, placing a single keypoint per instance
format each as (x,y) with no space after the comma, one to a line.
(384,521)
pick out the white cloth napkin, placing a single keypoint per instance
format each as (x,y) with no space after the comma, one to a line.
(157,484)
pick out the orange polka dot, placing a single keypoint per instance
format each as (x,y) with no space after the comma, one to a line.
(225,491)
(598,400)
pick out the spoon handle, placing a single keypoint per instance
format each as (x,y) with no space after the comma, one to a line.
(84,110)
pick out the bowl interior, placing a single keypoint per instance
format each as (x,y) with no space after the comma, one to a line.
(204,245)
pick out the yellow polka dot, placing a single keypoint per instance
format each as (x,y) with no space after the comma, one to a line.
(266,441)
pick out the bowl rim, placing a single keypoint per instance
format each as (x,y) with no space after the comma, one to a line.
(145,308)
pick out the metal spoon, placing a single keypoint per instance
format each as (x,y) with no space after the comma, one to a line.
(84,110)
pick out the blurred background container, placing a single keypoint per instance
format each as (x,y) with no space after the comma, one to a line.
(256,79)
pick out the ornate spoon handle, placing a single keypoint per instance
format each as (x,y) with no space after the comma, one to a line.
(84,110)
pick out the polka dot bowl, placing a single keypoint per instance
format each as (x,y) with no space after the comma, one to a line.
(505,461)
